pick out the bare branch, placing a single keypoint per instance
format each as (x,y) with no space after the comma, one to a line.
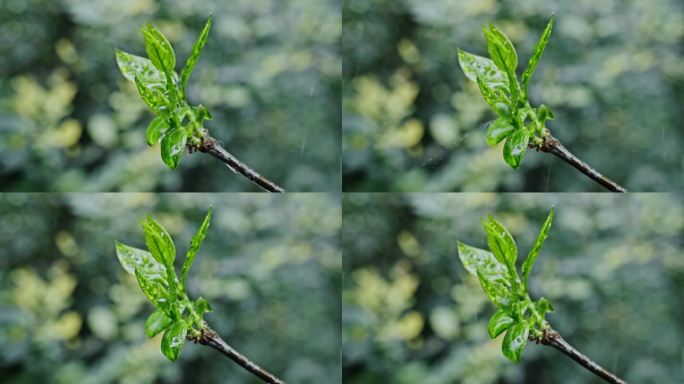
(212,339)
(552,338)
(553,146)
(211,146)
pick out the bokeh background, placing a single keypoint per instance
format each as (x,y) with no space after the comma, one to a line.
(613,73)
(613,268)
(270,267)
(69,121)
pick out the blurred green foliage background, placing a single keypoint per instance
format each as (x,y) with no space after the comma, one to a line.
(270,74)
(613,73)
(612,266)
(270,267)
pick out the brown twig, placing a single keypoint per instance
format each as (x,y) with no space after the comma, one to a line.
(551,145)
(211,146)
(552,338)
(210,338)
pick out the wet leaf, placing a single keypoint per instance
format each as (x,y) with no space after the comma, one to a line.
(195,245)
(515,340)
(173,147)
(173,340)
(537,54)
(498,130)
(475,66)
(132,258)
(500,242)
(534,252)
(158,242)
(131,66)
(156,322)
(499,322)
(156,129)
(158,49)
(516,146)
(501,50)
(194,56)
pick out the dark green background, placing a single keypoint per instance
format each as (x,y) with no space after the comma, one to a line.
(269,266)
(612,266)
(69,121)
(613,73)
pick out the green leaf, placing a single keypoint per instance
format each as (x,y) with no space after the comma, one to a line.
(173,340)
(158,49)
(501,50)
(201,113)
(131,66)
(537,54)
(495,100)
(491,273)
(516,146)
(498,130)
(499,322)
(157,322)
(495,287)
(534,252)
(543,306)
(501,243)
(159,242)
(153,98)
(515,340)
(151,289)
(475,259)
(544,113)
(194,56)
(132,258)
(475,66)
(156,130)
(195,245)
(202,306)
(173,146)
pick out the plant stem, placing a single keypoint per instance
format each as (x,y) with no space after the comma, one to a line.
(212,339)
(211,146)
(551,145)
(554,339)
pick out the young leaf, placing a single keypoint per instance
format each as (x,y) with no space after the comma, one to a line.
(173,340)
(499,322)
(544,113)
(156,129)
(159,242)
(495,287)
(536,55)
(476,259)
(500,242)
(173,146)
(492,98)
(498,130)
(157,322)
(501,50)
(159,49)
(131,66)
(194,56)
(152,290)
(195,245)
(154,99)
(202,306)
(543,306)
(516,146)
(532,256)
(515,340)
(133,258)
(475,66)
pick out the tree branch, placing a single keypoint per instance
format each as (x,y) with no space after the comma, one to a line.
(212,339)
(211,146)
(554,339)
(553,146)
